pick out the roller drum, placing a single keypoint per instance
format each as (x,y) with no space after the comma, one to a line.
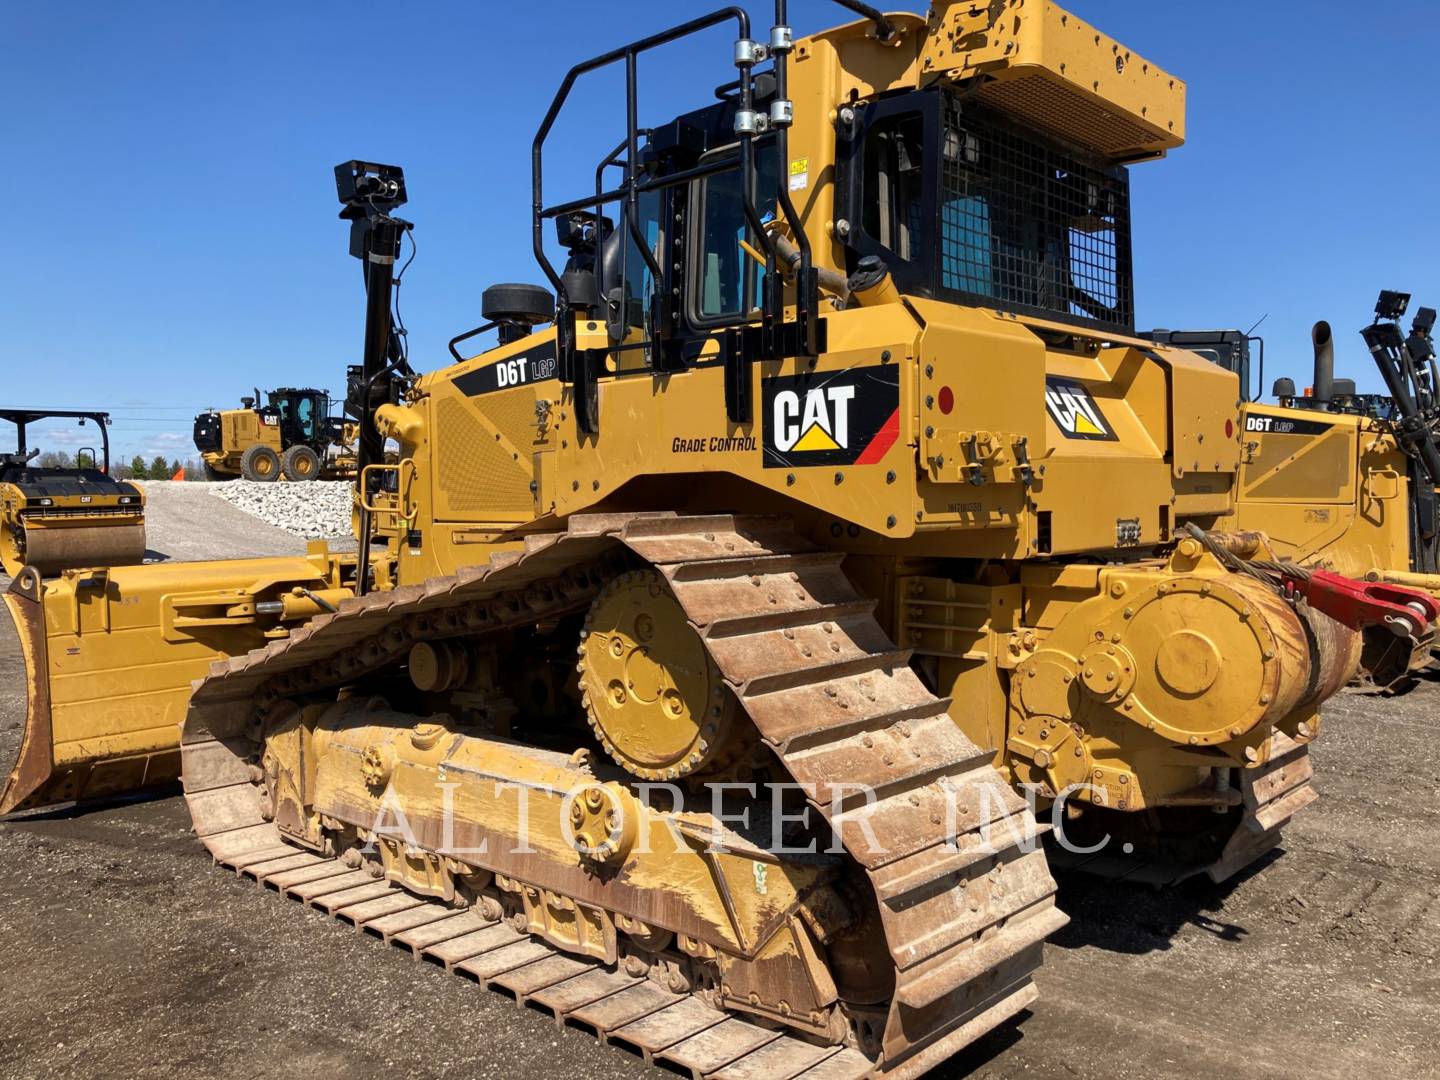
(51,550)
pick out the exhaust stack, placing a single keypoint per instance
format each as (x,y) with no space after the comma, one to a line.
(1323,387)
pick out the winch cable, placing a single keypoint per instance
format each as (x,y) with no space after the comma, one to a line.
(1407,613)
(1272,572)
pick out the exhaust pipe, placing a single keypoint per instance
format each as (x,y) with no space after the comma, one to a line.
(1323,388)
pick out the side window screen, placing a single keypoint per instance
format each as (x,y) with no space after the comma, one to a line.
(894,177)
(730,278)
(1029,225)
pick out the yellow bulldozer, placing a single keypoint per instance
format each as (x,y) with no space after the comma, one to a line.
(720,643)
(291,435)
(1341,479)
(1360,471)
(56,517)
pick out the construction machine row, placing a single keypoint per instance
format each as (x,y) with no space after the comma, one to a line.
(722,642)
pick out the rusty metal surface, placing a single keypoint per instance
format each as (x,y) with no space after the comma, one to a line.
(387,927)
(828,692)
(785,1058)
(1273,794)
(574,993)
(663,1029)
(717,1046)
(1335,653)
(52,549)
(629,1005)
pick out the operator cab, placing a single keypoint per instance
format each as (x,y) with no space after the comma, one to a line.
(299,413)
(88,474)
(18,467)
(1229,349)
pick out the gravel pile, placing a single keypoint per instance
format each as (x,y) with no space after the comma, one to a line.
(319,510)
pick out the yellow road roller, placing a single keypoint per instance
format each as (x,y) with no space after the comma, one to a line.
(55,518)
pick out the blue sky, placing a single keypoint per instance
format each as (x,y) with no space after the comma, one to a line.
(171,236)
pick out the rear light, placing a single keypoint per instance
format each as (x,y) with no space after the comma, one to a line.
(127,500)
(44,502)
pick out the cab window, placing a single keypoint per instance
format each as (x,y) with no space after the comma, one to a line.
(894,185)
(638,277)
(305,416)
(729,279)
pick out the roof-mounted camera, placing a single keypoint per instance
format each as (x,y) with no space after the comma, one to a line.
(1391,305)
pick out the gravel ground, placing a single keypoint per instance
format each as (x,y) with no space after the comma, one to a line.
(126,953)
(187,521)
(317,510)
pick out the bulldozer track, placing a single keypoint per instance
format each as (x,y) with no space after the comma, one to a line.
(964,921)
(1271,794)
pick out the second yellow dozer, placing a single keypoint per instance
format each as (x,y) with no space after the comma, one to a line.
(718,637)
(1348,481)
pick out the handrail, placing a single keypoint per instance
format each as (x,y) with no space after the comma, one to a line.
(627,53)
(771,337)
(884,28)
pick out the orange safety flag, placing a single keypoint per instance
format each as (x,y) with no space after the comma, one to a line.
(179,474)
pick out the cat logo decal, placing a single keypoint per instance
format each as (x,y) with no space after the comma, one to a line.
(1075,412)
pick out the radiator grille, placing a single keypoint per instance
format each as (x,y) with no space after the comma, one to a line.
(477,473)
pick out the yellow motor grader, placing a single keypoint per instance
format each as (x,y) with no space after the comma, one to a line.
(718,636)
(291,435)
(52,518)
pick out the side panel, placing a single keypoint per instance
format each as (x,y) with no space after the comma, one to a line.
(835,434)
(1324,487)
(484,428)
(951,427)
(241,428)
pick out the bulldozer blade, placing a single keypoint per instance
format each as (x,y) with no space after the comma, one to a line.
(51,550)
(35,763)
(110,656)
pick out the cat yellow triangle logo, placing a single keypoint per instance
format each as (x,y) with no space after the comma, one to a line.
(816,438)
(1074,411)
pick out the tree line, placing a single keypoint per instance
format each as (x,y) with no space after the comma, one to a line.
(157,468)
